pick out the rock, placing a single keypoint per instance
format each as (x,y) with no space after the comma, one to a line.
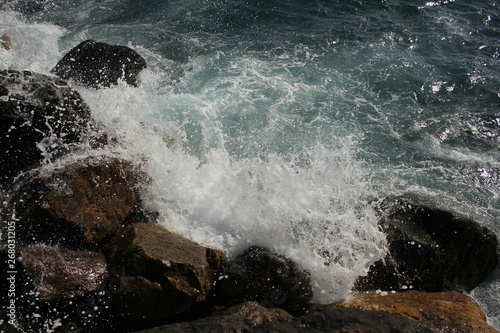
(6,43)
(80,205)
(431,250)
(41,118)
(262,276)
(162,274)
(444,311)
(95,64)
(57,273)
(345,320)
(255,312)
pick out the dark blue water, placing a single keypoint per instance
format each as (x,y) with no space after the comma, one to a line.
(290,117)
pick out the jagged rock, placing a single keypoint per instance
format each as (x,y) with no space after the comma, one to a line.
(430,250)
(96,64)
(341,320)
(55,273)
(81,204)
(263,276)
(40,118)
(255,312)
(5,41)
(445,311)
(162,274)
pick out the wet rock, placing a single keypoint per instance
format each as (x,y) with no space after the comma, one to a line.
(265,277)
(96,64)
(255,312)
(5,41)
(444,312)
(81,204)
(59,273)
(345,320)
(41,118)
(431,250)
(162,274)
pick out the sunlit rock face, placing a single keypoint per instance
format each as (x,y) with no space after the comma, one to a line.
(444,312)
(79,205)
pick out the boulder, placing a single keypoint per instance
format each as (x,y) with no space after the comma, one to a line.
(444,311)
(255,312)
(79,205)
(161,274)
(265,277)
(430,250)
(95,64)
(345,320)
(41,118)
(53,273)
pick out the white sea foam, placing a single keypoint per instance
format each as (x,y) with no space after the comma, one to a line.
(34,45)
(316,213)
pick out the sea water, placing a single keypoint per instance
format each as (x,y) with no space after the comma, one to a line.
(280,123)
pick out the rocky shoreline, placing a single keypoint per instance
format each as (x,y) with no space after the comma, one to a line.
(79,254)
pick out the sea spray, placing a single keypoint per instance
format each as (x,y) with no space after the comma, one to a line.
(311,205)
(279,123)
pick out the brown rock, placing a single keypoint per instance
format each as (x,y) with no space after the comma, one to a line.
(333,320)
(85,202)
(163,274)
(58,273)
(255,312)
(6,43)
(444,311)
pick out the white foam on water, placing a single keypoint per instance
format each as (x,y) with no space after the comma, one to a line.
(34,46)
(317,214)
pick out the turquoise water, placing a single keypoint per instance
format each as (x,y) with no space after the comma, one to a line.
(290,117)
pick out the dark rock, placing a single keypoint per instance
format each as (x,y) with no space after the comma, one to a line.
(431,250)
(162,274)
(40,118)
(80,205)
(265,277)
(256,312)
(54,273)
(95,64)
(345,320)
(446,312)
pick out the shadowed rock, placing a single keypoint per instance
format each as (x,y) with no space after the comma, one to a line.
(163,274)
(40,118)
(262,276)
(431,250)
(339,320)
(58,273)
(96,64)
(445,312)
(81,204)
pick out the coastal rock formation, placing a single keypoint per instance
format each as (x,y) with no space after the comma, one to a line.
(346,320)
(95,64)
(263,276)
(444,312)
(162,274)
(81,204)
(53,273)
(41,118)
(430,250)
